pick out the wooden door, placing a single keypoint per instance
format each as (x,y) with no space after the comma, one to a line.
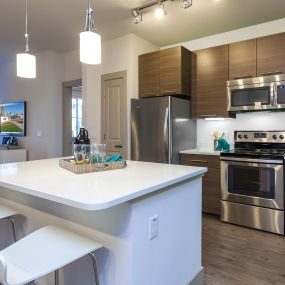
(210,71)
(170,71)
(242,59)
(114,113)
(271,54)
(149,74)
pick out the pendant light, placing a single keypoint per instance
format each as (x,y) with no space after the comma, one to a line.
(90,41)
(26,62)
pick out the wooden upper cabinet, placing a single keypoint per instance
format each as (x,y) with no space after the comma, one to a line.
(271,54)
(149,74)
(242,59)
(175,67)
(210,71)
(165,72)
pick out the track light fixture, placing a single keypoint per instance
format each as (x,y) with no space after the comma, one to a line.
(137,14)
(187,4)
(159,11)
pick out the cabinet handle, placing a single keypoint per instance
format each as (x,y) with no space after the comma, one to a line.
(271,73)
(118,146)
(169,92)
(148,94)
(243,76)
(206,116)
(202,161)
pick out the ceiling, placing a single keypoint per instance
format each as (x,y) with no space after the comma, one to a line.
(55,24)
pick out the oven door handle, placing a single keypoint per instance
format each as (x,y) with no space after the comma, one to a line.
(266,161)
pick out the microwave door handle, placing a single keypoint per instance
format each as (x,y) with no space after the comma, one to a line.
(275,95)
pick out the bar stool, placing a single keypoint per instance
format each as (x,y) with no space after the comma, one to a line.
(8,214)
(42,252)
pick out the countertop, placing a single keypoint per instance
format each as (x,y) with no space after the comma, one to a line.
(92,191)
(201,151)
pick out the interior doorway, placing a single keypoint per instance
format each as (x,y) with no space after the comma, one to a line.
(114,112)
(71,113)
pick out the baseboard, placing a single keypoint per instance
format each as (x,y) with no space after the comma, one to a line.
(198,279)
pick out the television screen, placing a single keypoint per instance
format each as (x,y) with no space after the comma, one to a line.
(13,119)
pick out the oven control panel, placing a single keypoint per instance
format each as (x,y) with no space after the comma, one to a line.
(260,136)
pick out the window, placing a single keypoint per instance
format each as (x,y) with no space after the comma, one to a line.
(76,115)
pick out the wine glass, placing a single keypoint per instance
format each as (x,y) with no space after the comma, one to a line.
(102,149)
(80,153)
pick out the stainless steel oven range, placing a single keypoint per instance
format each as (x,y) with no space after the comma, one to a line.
(252,181)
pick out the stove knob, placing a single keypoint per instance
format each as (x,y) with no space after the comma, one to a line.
(274,137)
(281,137)
(245,136)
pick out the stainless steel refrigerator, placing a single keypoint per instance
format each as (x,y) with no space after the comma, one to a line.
(160,128)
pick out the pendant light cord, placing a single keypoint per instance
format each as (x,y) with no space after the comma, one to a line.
(26,28)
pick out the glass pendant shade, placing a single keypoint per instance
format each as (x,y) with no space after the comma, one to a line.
(26,65)
(90,47)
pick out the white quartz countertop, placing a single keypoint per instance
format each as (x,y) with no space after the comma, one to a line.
(92,191)
(202,151)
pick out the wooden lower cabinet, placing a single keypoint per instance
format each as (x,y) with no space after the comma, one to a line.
(211,181)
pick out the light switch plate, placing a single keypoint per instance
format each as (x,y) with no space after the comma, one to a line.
(153,227)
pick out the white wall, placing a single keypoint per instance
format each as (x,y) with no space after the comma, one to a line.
(72,66)
(249,121)
(44,100)
(120,54)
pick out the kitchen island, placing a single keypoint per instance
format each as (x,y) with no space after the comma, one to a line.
(118,209)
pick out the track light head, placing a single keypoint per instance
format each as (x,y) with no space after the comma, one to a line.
(187,4)
(137,14)
(160,11)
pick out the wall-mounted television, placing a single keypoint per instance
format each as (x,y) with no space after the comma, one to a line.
(13,119)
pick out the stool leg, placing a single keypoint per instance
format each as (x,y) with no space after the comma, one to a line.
(12,220)
(92,255)
(56,277)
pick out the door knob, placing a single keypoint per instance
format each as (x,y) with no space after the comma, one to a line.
(118,146)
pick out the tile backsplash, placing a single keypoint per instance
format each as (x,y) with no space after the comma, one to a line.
(266,121)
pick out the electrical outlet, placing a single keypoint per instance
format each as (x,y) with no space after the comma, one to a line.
(153,227)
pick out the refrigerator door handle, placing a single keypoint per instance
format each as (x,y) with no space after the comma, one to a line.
(166,133)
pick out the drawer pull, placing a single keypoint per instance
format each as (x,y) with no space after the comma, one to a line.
(243,76)
(271,73)
(196,160)
(169,92)
(149,94)
(206,116)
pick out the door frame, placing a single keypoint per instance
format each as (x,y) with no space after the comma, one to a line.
(66,113)
(111,76)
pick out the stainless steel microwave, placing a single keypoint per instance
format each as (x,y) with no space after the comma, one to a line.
(256,94)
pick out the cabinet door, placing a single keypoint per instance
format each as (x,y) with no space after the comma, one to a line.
(149,74)
(170,71)
(270,55)
(209,90)
(211,193)
(242,59)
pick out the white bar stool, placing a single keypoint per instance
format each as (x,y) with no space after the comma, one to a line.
(42,252)
(8,214)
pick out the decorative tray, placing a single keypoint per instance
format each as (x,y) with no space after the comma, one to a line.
(70,165)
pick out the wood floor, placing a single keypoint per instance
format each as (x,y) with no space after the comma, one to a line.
(234,255)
